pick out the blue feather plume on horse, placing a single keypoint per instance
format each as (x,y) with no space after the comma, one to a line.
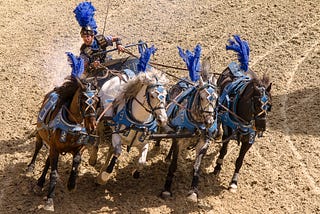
(242,48)
(77,65)
(145,54)
(192,61)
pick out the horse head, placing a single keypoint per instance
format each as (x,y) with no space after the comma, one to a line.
(88,102)
(207,98)
(255,103)
(262,103)
(156,98)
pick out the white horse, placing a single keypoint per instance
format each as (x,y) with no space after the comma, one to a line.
(108,92)
(136,112)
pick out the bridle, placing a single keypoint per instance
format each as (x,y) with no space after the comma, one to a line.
(91,95)
(160,90)
(264,101)
(211,98)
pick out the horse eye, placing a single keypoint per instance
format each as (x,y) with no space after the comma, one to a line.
(152,95)
(161,97)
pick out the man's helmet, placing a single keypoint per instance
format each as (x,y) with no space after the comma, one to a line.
(87,31)
(84,14)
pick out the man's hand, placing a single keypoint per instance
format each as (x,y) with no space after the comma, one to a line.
(95,64)
(120,48)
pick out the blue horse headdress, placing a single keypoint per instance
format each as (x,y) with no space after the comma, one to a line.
(192,61)
(84,14)
(77,65)
(243,50)
(145,54)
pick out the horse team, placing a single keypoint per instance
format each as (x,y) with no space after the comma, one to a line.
(133,106)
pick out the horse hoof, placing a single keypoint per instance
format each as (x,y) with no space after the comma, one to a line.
(49,205)
(233,188)
(30,170)
(103,178)
(193,197)
(166,194)
(136,174)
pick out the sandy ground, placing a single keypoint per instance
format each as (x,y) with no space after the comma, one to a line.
(281,173)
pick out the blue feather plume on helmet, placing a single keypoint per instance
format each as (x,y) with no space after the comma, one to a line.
(84,14)
(243,50)
(77,65)
(192,61)
(145,54)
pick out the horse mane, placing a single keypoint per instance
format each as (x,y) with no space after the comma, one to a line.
(67,90)
(264,81)
(131,89)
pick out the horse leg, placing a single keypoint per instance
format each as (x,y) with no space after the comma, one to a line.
(93,149)
(54,156)
(40,183)
(169,155)
(201,151)
(222,153)
(245,146)
(172,169)
(107,168)
(74,172)
(39,144)
(141,161)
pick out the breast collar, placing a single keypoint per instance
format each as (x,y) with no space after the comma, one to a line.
(124,117)
(229,98)
(60,121)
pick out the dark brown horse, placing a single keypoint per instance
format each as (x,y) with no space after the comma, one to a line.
(59,124)
(244,102)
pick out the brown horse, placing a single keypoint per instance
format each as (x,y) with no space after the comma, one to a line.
(244,104)
(60,125)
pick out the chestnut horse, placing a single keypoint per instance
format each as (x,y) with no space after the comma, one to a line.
(60,126)
(244,103)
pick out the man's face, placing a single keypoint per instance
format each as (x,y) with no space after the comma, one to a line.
(87,39)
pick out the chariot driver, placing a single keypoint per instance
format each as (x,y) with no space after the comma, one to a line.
(93,49)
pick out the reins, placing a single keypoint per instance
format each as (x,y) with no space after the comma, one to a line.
(233,114)
(69,112)
(166,66)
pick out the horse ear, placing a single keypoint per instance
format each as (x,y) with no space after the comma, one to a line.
(269,87)
(148,76)
(200,81)
(96,83)
(213,79)
(80,83)
(205,69)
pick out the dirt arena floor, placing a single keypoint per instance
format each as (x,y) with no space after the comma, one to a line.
(281,173)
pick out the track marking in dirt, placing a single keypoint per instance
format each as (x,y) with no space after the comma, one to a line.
(283,111)
(270,51)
